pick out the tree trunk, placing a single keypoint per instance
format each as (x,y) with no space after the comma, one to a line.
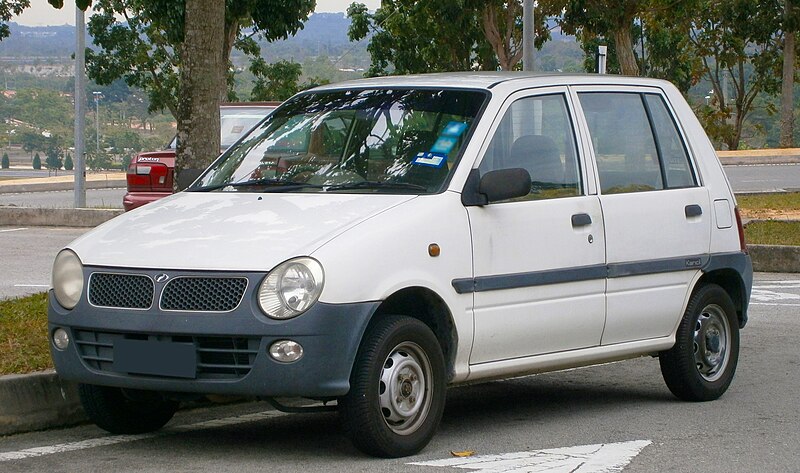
(787,85)
(202,78)
(623,41)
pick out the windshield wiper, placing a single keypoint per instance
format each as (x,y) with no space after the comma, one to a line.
(377,185)
(276,185)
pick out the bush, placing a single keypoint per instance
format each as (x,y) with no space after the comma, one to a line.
(68,165)
(6,163)
(37,162)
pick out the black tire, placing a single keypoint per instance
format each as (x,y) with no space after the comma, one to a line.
(701,365)
(119,412)
(400,355)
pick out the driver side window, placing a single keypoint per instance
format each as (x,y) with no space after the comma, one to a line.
(536,134)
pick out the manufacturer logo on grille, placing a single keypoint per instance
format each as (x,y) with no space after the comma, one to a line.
(162,278)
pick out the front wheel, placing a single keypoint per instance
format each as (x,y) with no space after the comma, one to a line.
(125,411)
(701,365)
(397,389)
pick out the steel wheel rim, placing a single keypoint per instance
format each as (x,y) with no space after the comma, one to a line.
(712,341)
(405,388)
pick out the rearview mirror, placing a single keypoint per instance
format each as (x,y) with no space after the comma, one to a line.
(504,184)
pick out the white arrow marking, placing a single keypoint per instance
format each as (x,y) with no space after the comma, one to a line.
(600,458)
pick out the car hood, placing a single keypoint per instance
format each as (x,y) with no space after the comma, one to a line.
(226,231)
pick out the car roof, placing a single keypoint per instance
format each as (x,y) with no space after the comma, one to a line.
(488,80)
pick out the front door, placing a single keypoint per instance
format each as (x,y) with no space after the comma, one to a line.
(539,260)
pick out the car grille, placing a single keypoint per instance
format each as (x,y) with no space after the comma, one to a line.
(201,294)
(217,357)
(120,290)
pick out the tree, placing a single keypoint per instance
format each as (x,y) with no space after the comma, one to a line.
(791,23)
(8,10)
(168,48)
(276,81)
(37,162)
(68,165)
(411,36)
(737,44)
(6,163)
(201,81)
(54,152)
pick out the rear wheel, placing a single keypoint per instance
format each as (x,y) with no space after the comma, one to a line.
(397,389)
(701,365)
(125,411)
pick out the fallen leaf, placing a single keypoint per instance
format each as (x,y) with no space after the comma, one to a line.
(464,453)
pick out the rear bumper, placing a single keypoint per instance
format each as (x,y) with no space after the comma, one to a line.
(329,334)
(132,200)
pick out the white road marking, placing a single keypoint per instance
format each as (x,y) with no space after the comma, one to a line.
(600,458)
(12,230)
(775,304)
(117,439)
(765,295)
(31,285)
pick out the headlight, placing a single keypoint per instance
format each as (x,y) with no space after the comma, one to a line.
(67,279)
(291,288)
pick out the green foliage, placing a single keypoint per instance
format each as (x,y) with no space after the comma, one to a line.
(37,162)
(277,81)
(68,165)
(5,163)
(54,152)
(145,49)
(23,335)
(8,10)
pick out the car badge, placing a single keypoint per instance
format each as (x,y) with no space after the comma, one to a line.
(162,278)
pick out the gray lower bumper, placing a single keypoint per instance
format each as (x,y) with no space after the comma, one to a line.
(330,335)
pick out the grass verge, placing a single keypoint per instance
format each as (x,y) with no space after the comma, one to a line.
(23,335)
(782,201)
(772,232)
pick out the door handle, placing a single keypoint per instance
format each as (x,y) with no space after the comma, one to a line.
(581,220)
(693,210)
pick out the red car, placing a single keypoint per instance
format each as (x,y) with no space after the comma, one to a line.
(151,175)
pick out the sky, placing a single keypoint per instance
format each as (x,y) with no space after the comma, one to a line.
(41,13)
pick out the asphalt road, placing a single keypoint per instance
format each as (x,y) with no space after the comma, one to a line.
(26,257)
(764,178)
(753,427)
(95,198)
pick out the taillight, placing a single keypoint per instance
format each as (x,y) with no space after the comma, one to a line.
(742,243)
(136,179)
(148,177)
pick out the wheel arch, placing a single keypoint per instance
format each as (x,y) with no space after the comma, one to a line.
(731,281)
(428,307)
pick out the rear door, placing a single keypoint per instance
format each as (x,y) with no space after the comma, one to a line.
(539,260)
(656,213)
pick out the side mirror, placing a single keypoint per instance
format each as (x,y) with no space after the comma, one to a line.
(504,184)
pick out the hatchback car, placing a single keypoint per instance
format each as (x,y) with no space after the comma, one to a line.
(373,242)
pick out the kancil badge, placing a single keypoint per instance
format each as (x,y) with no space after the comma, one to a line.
(430,159)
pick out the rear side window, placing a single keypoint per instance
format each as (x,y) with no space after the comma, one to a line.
(636,143)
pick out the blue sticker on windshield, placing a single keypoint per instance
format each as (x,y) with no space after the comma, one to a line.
(454,129)
(430,159)
(444,144)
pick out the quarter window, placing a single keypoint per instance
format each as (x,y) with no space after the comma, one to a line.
(536,134)
(673,152)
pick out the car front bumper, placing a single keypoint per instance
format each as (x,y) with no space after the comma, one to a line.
(231,349)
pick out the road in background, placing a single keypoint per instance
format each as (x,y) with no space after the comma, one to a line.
(27,256)
(95,198)
(753,427)
(764,178)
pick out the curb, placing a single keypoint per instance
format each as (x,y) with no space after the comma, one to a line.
(60,186)
(41,217)
(775,258)
(38,401)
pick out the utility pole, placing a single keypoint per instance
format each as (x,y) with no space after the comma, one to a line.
(80,106)
(528,33)
(97,96)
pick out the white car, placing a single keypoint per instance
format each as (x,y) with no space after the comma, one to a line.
(373,242)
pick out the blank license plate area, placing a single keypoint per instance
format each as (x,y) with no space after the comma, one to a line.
(176,360)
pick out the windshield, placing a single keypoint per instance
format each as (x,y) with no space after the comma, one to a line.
(234,120)
(392,141)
